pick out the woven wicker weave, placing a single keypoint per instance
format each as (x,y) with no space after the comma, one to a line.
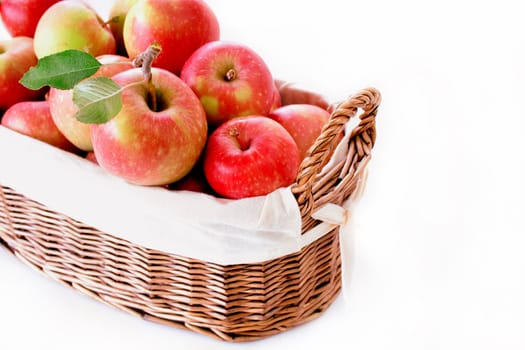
(235,302)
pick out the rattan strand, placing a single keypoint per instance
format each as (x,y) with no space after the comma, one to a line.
(240,302)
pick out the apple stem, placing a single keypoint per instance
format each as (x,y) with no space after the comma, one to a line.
(152,95)
(234,134)
(230,75)
(145,60)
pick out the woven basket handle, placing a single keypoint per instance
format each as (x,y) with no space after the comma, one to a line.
(313,189)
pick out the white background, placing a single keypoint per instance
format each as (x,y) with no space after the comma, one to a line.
(438,252)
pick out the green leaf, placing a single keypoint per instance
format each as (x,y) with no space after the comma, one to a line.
(62,70)
(98,99)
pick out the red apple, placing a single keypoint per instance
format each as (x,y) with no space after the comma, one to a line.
(16,57)
(20,17)
(91,157)
(230,79)
(276,102)
(179,26)
(250,156)
(194,182)
(117,17)
(63,109)
(189,183)
(303,121)
(72,25)
(33,118)
(150,145)
(291,94)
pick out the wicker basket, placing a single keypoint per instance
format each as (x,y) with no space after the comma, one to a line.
(239,302)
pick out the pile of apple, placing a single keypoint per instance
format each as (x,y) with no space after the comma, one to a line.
(213,121)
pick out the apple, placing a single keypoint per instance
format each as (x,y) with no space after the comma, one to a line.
(91,156)
(33,118)
(179,26)
(291,94)
(16,57)
(117,16)
(72,25)
(276,101)
(194,182)
(250,156)
(230,79)
(303,121)
(189,183)
(20,17)
(63,109)
(152,145)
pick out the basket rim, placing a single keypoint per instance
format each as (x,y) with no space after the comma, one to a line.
(62,191)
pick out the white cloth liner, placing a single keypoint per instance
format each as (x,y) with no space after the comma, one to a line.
(189,224)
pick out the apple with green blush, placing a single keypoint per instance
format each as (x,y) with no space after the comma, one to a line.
(179,26)
(150,143)
(117,17)
(63,109)
(72,25)
(231,80)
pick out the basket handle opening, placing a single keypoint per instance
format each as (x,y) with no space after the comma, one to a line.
(314,187)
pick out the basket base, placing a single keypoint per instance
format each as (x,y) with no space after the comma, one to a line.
(235,303)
